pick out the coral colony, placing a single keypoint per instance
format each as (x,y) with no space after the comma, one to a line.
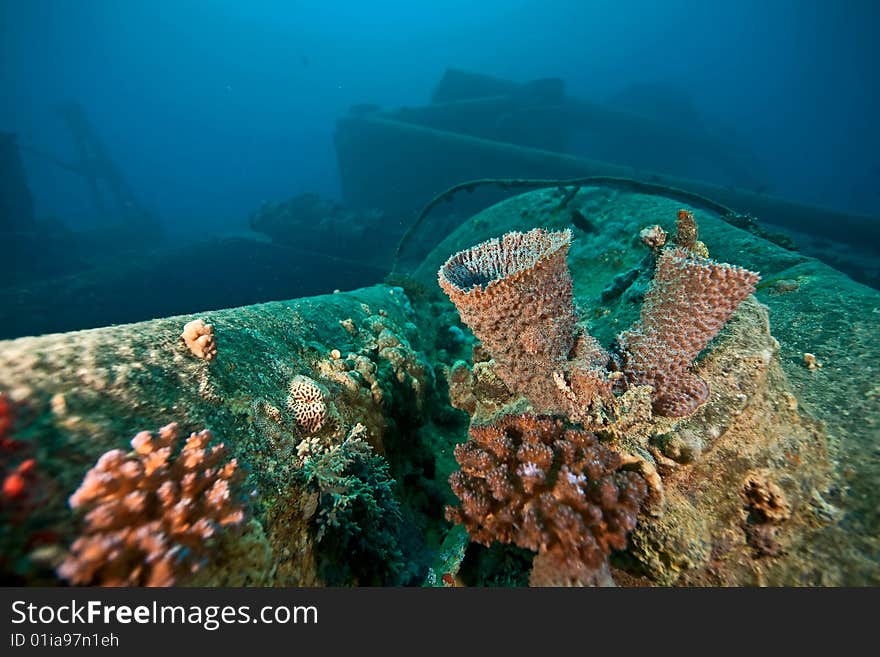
(199,338)
(18,470)
(306,401)
(527,479)
(530,481)
(151,514)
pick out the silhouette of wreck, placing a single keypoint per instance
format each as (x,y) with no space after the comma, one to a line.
(477,126)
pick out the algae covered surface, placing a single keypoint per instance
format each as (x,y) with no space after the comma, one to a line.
(75,396)
(812,431)
(343,411)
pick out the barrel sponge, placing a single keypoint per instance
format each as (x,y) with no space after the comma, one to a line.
(515,293)
(531,481)
(689,301)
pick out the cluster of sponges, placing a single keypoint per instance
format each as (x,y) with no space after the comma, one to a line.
(151,512)
(515,293)
(530,481)
(689,301)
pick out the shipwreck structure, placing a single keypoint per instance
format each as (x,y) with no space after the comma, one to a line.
(477,126)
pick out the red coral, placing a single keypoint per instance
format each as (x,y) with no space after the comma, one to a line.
(8,445)
(5,416)
(15,484)
(689,301)
(531,481)
(150,516)
(17,489)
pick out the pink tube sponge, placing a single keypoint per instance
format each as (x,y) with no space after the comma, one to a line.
(515,294)
(689,301)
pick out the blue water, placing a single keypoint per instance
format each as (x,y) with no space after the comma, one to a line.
(210,108)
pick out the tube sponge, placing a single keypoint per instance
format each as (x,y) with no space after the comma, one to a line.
(515,293)
(689,301)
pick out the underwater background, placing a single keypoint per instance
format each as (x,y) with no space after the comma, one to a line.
(248,206)
(212,108)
